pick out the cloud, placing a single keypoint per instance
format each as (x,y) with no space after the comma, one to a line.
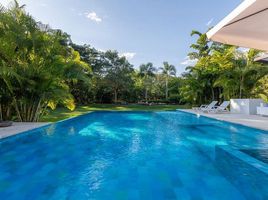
(94,17)
(128,55)
(188,62)
(209,22)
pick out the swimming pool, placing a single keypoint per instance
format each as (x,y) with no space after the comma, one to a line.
(124,155)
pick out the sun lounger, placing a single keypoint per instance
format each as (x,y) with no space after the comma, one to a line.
(220,109)
(206,107)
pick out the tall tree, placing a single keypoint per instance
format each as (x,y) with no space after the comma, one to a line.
(168,70)
(201,47)
(118,72)
(147,72)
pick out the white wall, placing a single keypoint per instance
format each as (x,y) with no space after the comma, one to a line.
(245,106)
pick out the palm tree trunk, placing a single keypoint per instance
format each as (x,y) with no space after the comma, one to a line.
(241,87)
(115,96)
(8,112)
(240,92)
(146,94)
(212,92)
(1,114)
(167,88)
(43,110)
(37,112)
(101,97)
(17,110)
(199,99)
(220,93)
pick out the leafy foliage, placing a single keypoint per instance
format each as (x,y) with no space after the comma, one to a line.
(42,68)
(221,72)
(36,66)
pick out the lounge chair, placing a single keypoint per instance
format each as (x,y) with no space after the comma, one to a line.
(220,109)
(206,107)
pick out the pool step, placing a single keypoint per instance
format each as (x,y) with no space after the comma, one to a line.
(247,174)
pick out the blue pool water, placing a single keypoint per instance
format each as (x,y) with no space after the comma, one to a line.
(129,155)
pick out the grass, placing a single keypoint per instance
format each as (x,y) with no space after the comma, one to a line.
(63,113)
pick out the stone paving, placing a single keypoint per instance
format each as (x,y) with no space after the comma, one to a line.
(254,121)
(19,127)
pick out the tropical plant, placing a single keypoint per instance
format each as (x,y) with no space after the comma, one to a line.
(201,47)
(41,68)
(42,63)
(221,72)
(168,70)
(146,72)
(261,90)
(239,73)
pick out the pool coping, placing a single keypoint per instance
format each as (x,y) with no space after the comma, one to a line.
(44,125)
(20,127)
(19,134)
(205,115)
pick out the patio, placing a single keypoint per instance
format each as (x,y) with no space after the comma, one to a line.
(19,127)
(254,121)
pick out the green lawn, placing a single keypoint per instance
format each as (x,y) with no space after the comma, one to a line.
(63,113)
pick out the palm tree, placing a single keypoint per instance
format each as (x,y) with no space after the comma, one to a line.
(168,70)
(238,74)
(201,46)
(35,66)
(147,71)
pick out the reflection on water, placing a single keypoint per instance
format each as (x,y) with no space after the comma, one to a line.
(130,155)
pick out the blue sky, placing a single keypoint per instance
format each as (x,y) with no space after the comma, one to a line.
(143,30)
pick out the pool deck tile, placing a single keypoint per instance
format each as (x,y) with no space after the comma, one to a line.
(254,121)
(19,127)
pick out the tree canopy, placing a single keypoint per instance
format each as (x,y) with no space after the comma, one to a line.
(221,72)
(41,68)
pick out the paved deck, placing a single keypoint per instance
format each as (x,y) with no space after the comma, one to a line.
(254,121)
(19,127)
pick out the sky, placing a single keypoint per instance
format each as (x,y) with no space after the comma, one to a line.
(142,30)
